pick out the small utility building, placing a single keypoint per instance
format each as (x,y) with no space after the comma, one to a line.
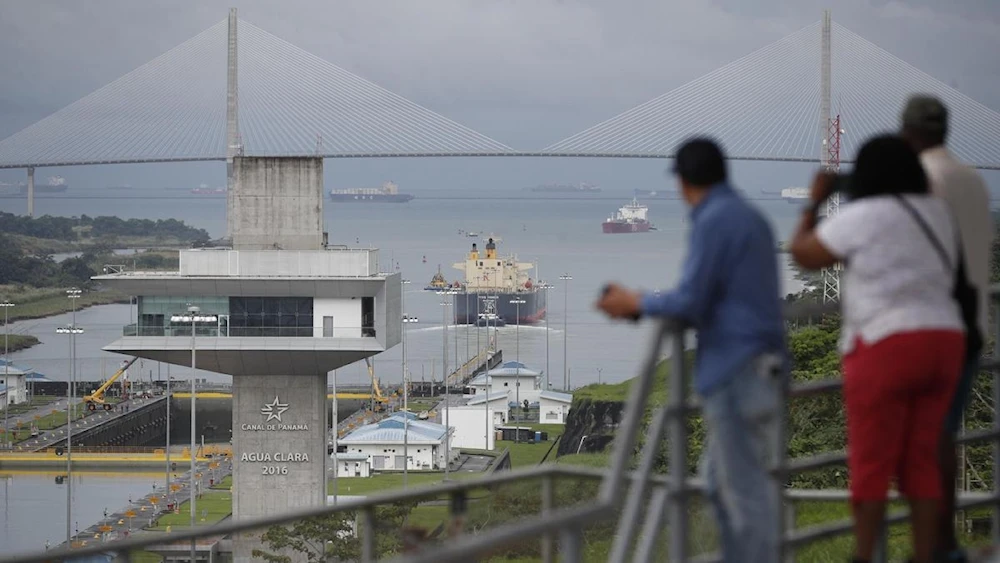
(382,443)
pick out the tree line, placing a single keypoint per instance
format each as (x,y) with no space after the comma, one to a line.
(71,228)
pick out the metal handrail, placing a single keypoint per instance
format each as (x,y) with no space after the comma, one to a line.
(664,495)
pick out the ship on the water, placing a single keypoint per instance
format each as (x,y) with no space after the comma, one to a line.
(386,193)
(629,218)
(203,189)
(53,185)
(657,194)
(582,187)
(795,195)
(491,284)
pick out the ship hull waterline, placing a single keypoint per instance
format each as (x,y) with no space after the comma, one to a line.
(532,311)
(622,227)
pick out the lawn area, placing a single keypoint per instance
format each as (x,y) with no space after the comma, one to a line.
(525,454)
(211,507)
(384,482)
(38,401)
(225,484)
(417,405)
(52,420)
(37,303)
(16,342)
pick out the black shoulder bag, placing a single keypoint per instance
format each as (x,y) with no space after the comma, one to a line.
(963,292)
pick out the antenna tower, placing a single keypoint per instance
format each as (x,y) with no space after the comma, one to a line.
(830,155)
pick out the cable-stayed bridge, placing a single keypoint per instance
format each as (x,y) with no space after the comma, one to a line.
(285,101)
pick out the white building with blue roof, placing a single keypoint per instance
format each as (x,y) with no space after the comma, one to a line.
(382,443)
(510,385)
(13,385)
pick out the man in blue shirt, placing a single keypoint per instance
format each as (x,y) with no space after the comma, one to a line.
(729,293)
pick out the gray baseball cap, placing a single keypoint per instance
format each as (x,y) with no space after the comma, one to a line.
(925,113)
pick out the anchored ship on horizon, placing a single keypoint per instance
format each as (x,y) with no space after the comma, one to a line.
(491,283)
(629,218)
(386,193)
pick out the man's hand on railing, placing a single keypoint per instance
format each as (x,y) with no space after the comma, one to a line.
(620,303)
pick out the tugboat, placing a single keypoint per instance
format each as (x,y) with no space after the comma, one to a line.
(491,284)
(438,283)
(630,218)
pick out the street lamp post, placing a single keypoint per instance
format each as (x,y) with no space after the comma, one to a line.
(6,372)
(545,286)
(447,391)
(517,358)
(194,317)
(406,385)
(598,376)
(72,331)
(566,278)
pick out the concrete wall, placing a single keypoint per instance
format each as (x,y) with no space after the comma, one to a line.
(143,425)
(270,472)
(346,315)
(389,312)
(354,262)
(276,203)
(470,427)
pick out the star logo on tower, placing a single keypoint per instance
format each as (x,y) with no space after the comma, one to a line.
(274,410)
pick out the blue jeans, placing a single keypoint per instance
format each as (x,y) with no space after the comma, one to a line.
(741,419)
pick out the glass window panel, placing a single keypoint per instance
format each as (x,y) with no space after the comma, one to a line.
(270,305)
(305,321)
(270,320)
(304,305)
(286,320)
(254,305)
(237,306)
(286,306)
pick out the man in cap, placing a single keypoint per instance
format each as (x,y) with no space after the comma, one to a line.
(729,292)
(925,127)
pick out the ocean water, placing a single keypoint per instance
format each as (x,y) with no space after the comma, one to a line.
(561,234)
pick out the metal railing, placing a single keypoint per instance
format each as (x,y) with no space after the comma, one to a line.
(223,331)
(646,504)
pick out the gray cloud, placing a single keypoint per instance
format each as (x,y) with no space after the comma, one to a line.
(527,72)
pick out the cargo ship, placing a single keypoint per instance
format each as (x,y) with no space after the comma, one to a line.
(205,190)
(55,185)
(630,218)
(657,194)
(387,193)
(491,283)
(795,195)
(582,187)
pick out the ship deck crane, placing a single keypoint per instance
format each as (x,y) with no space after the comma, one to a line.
(97,397)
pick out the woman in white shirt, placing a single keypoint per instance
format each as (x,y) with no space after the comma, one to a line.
(902,335)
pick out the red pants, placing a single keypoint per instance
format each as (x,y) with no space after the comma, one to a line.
(897,392)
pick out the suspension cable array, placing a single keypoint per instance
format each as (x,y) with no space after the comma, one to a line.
(763,106)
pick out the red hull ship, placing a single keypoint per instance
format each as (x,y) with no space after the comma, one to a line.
(629,219)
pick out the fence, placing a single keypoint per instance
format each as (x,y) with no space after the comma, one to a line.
(648,509)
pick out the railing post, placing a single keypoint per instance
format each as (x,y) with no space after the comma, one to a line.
(677,517)
(571,539)
(996,420)
(368,538)
(881,554)
(779,475)
(548,503)
(788,551)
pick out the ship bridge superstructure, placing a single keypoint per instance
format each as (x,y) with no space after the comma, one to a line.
(488,271)
(634,212)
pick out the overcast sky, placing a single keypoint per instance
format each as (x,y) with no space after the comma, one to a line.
(524,72)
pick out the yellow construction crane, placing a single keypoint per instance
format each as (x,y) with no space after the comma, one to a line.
(97,397)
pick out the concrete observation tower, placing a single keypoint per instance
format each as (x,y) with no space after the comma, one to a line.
(284,308)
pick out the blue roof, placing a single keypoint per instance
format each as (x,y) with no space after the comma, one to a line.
(557,396)
(31,373)
(480,399)
(513,368)
(391,430)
